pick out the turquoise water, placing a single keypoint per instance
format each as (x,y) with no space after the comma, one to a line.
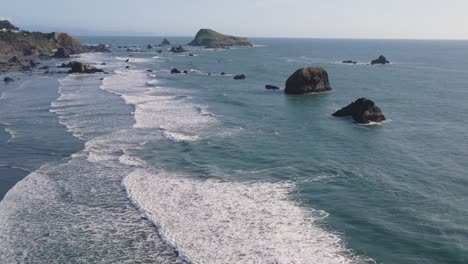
(229,172)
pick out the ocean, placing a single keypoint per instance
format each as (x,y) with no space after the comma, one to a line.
(144,166)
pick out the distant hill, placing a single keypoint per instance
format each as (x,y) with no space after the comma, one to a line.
(5,24)
(212,39)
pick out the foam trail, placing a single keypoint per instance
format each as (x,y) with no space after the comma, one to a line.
(215,221)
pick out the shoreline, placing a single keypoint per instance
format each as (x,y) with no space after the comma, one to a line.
(9,177)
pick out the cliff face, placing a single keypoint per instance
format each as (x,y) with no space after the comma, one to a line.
(213,39)
(35,43)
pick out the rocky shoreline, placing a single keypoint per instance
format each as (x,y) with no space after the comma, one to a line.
(23,50)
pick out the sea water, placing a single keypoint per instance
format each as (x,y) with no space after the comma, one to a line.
(157,167)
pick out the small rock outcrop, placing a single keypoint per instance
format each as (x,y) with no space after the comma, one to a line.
(349,62)
(363,111)
(239,77)
(271,87)
(308,80)
(78,67)
(177,49)
(175,71)
(61,53)
(150,46)
(380,60)
(165,42)
(8,79)
(212,39)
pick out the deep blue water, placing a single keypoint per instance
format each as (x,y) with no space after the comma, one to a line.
(395,193)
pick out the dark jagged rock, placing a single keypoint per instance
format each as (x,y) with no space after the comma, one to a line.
(159,51)
(61,53)
(177,49)
(363,111)
(165,42)
(149,70)
(349,62)
(14,60)
(191,55)
(68,65)
(150,46)
(308,80)
(271,87)
(239,77)
(127,60)
(223,73)
(33,64)
(380,60)
(8,79)
(78,67)
(129,50)
(175,71)
(103,63)
(127,67)
(186,72)
(212,39)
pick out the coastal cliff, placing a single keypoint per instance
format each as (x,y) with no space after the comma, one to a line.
(19,48)
(212,39)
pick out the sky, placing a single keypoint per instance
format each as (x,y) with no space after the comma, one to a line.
(394,19)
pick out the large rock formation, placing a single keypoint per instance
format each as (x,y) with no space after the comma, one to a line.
(212,39)
(380,60)
(363,111)
(308,80)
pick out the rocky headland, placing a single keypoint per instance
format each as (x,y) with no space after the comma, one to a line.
(20,50)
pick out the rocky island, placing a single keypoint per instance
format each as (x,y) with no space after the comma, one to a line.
(363,111)
(212,39)
(308,80)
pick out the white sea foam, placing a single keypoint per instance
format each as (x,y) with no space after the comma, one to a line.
(179,137)
(215,221)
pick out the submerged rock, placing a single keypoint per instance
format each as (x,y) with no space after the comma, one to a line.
(239,77)
(175,71)
(308,80)
(362,110)
(271,87)
(8,79)
(380,60)
(349,62)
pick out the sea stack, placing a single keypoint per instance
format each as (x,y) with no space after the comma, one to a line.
(212,39)
(380,60)
(165,42)
(363,111)
(308,80)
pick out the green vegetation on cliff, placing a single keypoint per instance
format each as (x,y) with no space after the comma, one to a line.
(213,39)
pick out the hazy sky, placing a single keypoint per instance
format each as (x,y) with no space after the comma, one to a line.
(413,19)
